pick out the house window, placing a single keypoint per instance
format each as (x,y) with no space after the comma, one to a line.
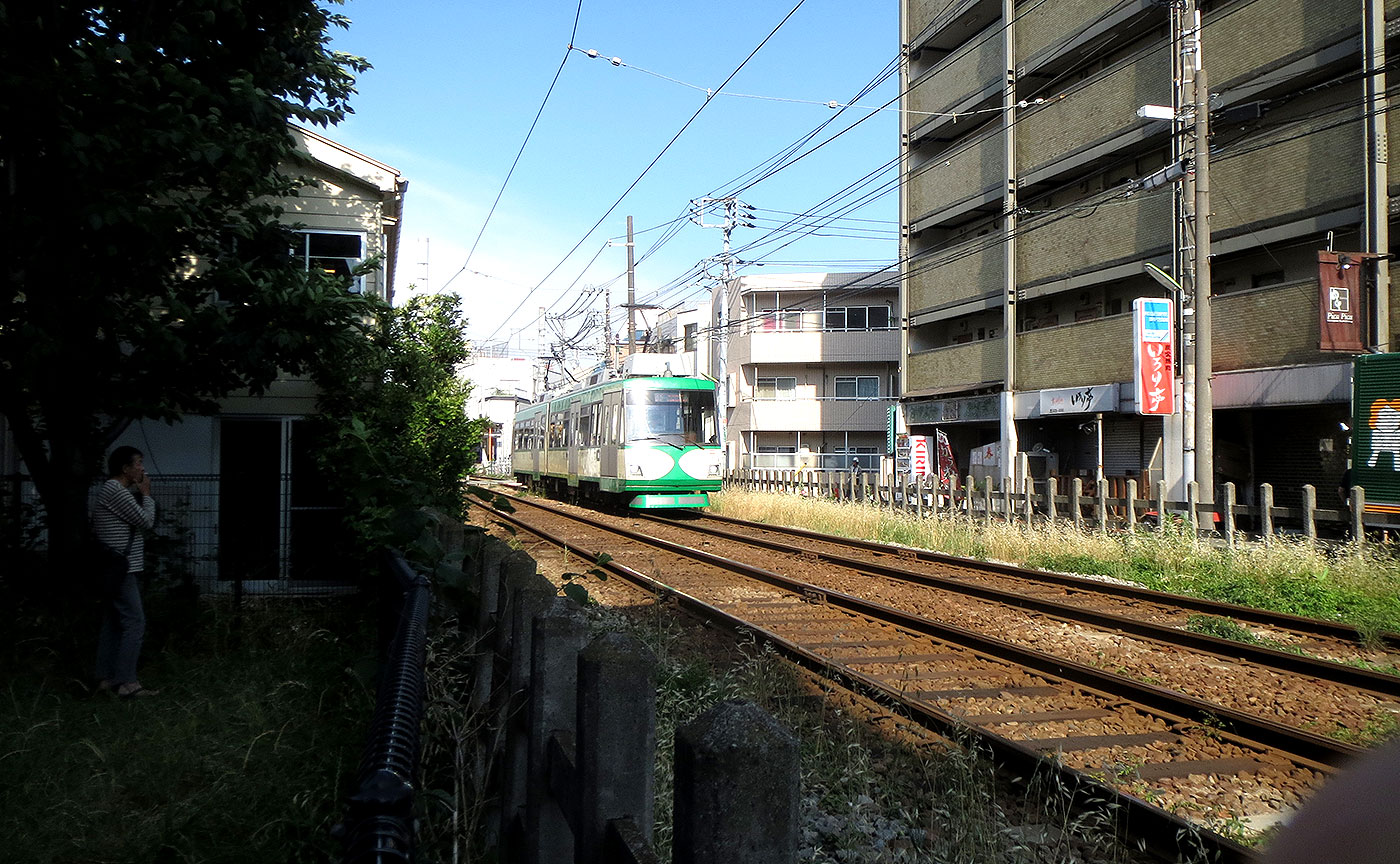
(776,388)
(690,331)
(782,319)
(857,317)
(858,387)
(334,253)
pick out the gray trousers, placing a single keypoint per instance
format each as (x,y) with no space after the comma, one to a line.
(123,627)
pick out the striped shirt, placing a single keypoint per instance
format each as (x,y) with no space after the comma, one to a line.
(117,515)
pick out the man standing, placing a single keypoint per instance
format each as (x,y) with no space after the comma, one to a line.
(124,506)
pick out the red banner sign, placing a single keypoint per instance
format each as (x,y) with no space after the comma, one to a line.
(1154,374)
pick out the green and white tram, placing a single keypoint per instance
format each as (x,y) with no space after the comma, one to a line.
(648,441)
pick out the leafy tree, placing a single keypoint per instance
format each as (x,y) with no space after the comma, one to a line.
(392,417)
(140,138)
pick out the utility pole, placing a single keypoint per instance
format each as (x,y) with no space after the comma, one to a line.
(736,213)
(607,326)
(1198,424)
(1009,444)
(1376,229)
(631,293)
(541,363)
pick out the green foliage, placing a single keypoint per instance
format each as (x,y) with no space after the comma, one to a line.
(151,139)
(245,756)
(576,590)
(393,421)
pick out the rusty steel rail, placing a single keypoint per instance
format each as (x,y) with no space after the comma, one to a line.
(1136,820)
(1284,661)
(1281,620)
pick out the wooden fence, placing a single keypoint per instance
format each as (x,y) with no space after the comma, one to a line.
(574,734)
(1091,509)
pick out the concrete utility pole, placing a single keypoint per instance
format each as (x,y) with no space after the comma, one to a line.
(631,293)
(1376,230)
(1009,444)
(1198,427)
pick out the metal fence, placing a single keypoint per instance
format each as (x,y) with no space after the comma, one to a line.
(274,545)
(379,825)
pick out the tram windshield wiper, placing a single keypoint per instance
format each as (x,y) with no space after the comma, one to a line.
(657,438)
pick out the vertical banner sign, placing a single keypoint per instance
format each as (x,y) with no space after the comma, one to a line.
(919,464)
(1340,301)
(1154,374)
(947,467)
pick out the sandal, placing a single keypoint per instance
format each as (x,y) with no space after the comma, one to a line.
(137,691)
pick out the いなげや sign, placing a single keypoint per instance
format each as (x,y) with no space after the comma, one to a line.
(1154,375)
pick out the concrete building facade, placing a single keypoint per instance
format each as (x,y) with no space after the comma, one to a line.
(1027,226)
(810,368)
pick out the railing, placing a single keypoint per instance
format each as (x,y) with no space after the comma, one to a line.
(1044,501)
(575,733)
(815,461)
(286,552)
(379,825)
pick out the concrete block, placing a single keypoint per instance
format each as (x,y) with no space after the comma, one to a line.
(736,788)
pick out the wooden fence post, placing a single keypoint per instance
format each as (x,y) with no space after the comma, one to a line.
(1161,505)
(1266,511)
(987,503)
(1027,507)
(736,788)
(1076,490)
(969,489)
(616,741)
(559,635)
(1131,495)
(1008,512)
(1310,512)
(1051,490)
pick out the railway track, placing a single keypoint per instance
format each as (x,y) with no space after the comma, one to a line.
(1166,754)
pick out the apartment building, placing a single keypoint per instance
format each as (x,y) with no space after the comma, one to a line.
(1028,227)
(810,368)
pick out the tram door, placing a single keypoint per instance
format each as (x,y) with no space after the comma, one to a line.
(572,442)
(612,434)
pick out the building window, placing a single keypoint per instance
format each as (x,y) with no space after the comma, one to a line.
(858,387)
(782,319)
(334,253)
(776,388)
(857,318)
(690,331)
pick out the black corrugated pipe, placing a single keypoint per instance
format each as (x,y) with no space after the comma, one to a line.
(379,825)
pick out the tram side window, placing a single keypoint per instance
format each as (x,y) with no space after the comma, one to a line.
(556,428)
(594,413)
(588,426)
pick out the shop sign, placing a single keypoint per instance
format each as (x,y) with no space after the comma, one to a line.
(1079,400)
(1154,374)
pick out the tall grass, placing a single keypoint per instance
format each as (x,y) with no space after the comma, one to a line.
(1288,575)
(245,755)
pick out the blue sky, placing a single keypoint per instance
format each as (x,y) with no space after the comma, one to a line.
(456,86)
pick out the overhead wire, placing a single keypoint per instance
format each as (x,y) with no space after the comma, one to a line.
(578,12)
(708,99)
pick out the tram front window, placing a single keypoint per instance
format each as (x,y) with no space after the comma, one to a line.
(674,416)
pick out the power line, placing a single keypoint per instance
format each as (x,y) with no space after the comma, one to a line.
(652,164)
(489,213)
